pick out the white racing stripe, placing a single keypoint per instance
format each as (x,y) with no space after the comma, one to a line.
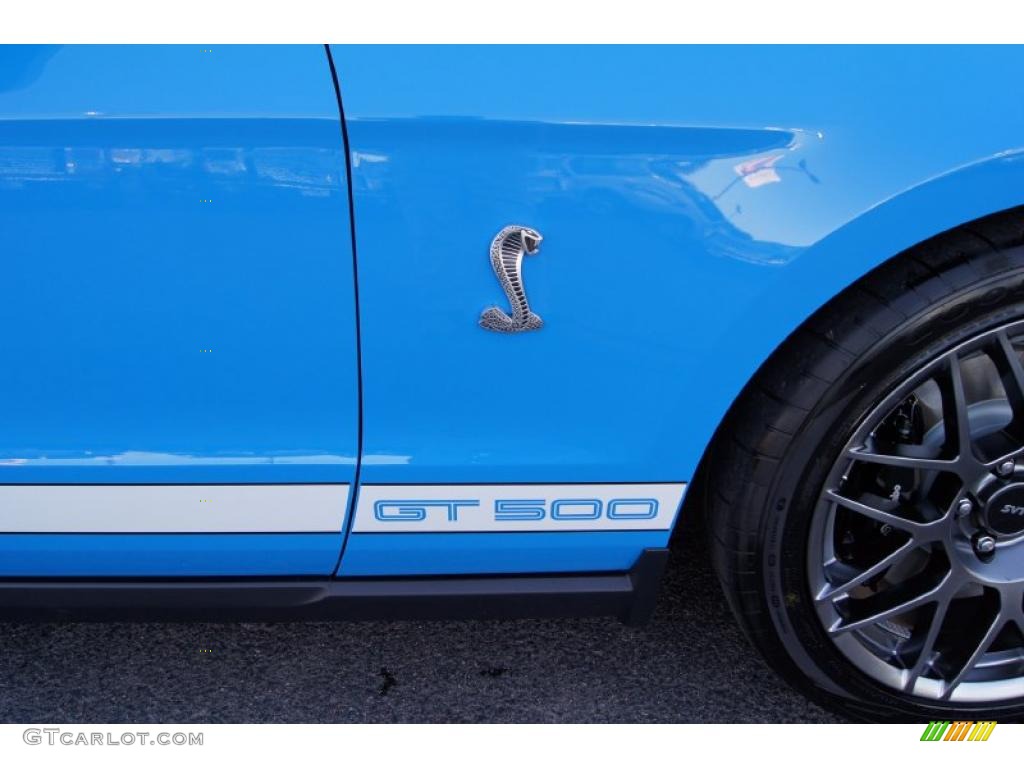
(498,508)
(172,508)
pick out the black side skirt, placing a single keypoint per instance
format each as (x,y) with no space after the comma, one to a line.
(629,596)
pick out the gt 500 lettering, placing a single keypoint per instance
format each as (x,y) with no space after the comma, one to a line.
(500,508)
(388,510)
(416,511)
(575,509)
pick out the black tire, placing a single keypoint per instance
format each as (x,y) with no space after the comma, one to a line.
(768,462)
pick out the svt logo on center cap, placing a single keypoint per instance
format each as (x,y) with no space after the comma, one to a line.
(1003,513)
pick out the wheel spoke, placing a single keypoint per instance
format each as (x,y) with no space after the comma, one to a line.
(927,646)
(1011,373)
(908,462)
(888,561)
(917,531)
(954,407)
(938,592)
(1014,613)
(972,661)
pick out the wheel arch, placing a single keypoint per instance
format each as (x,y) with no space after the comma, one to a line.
(984,199)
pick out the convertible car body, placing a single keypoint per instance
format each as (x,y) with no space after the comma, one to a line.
(303,332)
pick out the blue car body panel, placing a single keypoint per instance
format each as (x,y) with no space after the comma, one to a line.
(82,555)
(697,204)
(429,554)
(176,288)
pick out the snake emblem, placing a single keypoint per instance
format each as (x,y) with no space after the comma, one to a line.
(507,251)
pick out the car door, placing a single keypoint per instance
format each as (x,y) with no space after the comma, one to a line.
(179,388)
(545,450)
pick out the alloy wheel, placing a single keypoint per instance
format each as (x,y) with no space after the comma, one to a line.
(916,547)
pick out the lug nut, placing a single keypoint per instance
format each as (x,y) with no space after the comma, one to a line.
(964,508)
(984,545)
(1006,468)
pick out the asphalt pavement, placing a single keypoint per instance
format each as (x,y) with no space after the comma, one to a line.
(690,664)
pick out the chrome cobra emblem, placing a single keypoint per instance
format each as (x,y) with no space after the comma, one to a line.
(507,251)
